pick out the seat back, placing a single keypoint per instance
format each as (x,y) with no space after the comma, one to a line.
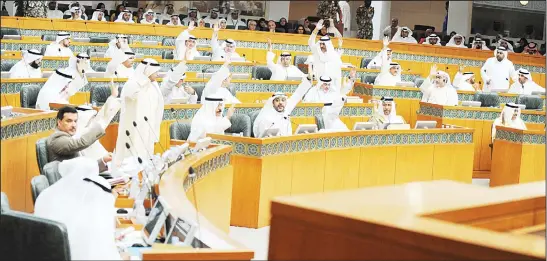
(199,90)
(38,184)
(4,202)
(261,73)
(99,68)
(49,37)
(7,64)
(230,27)
(319,122)
(51,171)
(241,123)
(179,131)
(167,55)
(99,95)
(299,59)
(532,102)
(368,79)
(242,27)
(29,237)
(365,62)
(41,154)
(29,95)
(168,42)
(488,99)
(418,81)
(253,116)
(100,40)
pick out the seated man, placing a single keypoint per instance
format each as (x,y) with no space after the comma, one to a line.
(283,69)
(465,81)
(384,55)
(28,67)
(209,118)
(184,42)
(60,47)
(83,202)
(457,40)
(437,89)
(149,17)
(193,15)
(219,83)
(277,110)
(331,115)
(62,146)
(525,84)
(509,117)
(385,113)
(390,74)
(125,17)
(116,45)
(221,51)
(403,35)
(432,39)
(172,82)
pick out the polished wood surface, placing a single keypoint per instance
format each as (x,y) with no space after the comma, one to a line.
(480,119)
(417,221)
(308,163)
(518,156)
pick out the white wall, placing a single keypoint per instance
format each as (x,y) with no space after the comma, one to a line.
(459,17)
(277,9)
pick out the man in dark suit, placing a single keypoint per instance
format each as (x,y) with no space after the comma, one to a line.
(62,146)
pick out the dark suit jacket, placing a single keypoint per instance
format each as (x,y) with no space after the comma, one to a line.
(62,146)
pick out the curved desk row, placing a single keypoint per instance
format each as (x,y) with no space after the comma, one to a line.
(480,119)
(438,220)
(258,40)
(308,163)
(526,151)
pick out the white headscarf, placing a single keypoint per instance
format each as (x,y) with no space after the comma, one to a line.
(120,17)
(397,38)
(61,36)
(386,78)
(228,41)
(317,94)
(73,62)
(146,68)
(95,16)
(283,54)
(452,43)
(269,112)
(23,68)
(178,19)
(113,47)
(149,12)
(330,56)
(392,117)
(31,56)
(51,91)
(82,201)
(432,36)
(331,114)
(114,64)
(509,45)
(77,11)
(479,40)
(446,76)
(504,51)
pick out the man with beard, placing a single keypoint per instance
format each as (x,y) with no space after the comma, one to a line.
(525,84)
(457,40)
(28,67)
(432,39)
(465,81)
(184,42)
(438,90)
(53,12)
(213,18)
(403,35)
(393,29)
(233,19)
(60,47)
(193,15)
(125,17)
(283,69)
(497,71)
(385,112)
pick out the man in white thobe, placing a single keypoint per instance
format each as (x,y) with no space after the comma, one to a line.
(437,89)
(331,115)
(172,85)
(60,47)
(121,64)
(125,17)
(116,45)
(55,90)
(185,41)
(277,110)
(283,69)
(218,85)
(326,60)
(324,91)
(497,71)
(212,18)
(390,74)
(175,21)
(509,117)
(506,44)
(149,17)
(193,15)
(346,17)
(465,82)
(457,40)
(385,112)
(141,114)
(53,12)
(525,84)
(209,118)
(403,35)
(98,15)
(384,55)
(83,201)
(233,19)
(433,39)
(479,44)
(78,66)
(28,67)
(220,51)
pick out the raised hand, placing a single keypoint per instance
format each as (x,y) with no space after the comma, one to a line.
(270,44)
(319,25)
(187,54)
(191,25)
(216,28)
(386,41)
(231,111)
(433,70)
(113,88)
(353,73)
(461,68)
(189,90)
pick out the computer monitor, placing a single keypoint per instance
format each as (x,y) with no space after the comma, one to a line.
(425,125)
(306,129)
(398,126)
(404,84)
(538,93)
(94,74)
(179,100)
(181,228)
(499,90)
(155,222)
(271,132)
(202,58)
(471,103)
(294,78)
(363,126)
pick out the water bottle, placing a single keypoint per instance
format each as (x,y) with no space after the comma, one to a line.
(135,188)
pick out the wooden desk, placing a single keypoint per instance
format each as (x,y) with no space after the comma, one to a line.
(18,148)
(307,163)
(408,98)
(210,192)
(437,220)
(518,156)
(480,119)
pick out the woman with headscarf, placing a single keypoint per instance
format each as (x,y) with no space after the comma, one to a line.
(28,67)
(385,113)
(509,117)
(222,23)
(437,89)
(149,17)
(98,15)
(331,115)
(55,89)
(141,114)
(262,25)
(300,30)
(201,23)
(457,40)
(118,44)
(283,24)
(82,200)
(125,17)
(121,64)
(277,110)
(403,35)
(60,47)
(327,61)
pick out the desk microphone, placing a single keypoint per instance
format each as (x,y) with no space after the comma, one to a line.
(152,130)
(173,112)
(146,181)
(88,95)
(192,174)
(143,143)
(267,129)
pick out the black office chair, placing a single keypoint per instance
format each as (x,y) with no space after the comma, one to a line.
(253,116)
(51,171)
(41,154)
(38,184)
(319,122)
(488,99)
(261,73)
(167,55)
(365,62)
(242,27)
(532,102)
(7,64)
(4,202)
(100,40)
(368,78)
(241,123)
(28,237)
(29,95)
(230,27)
(179,131)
